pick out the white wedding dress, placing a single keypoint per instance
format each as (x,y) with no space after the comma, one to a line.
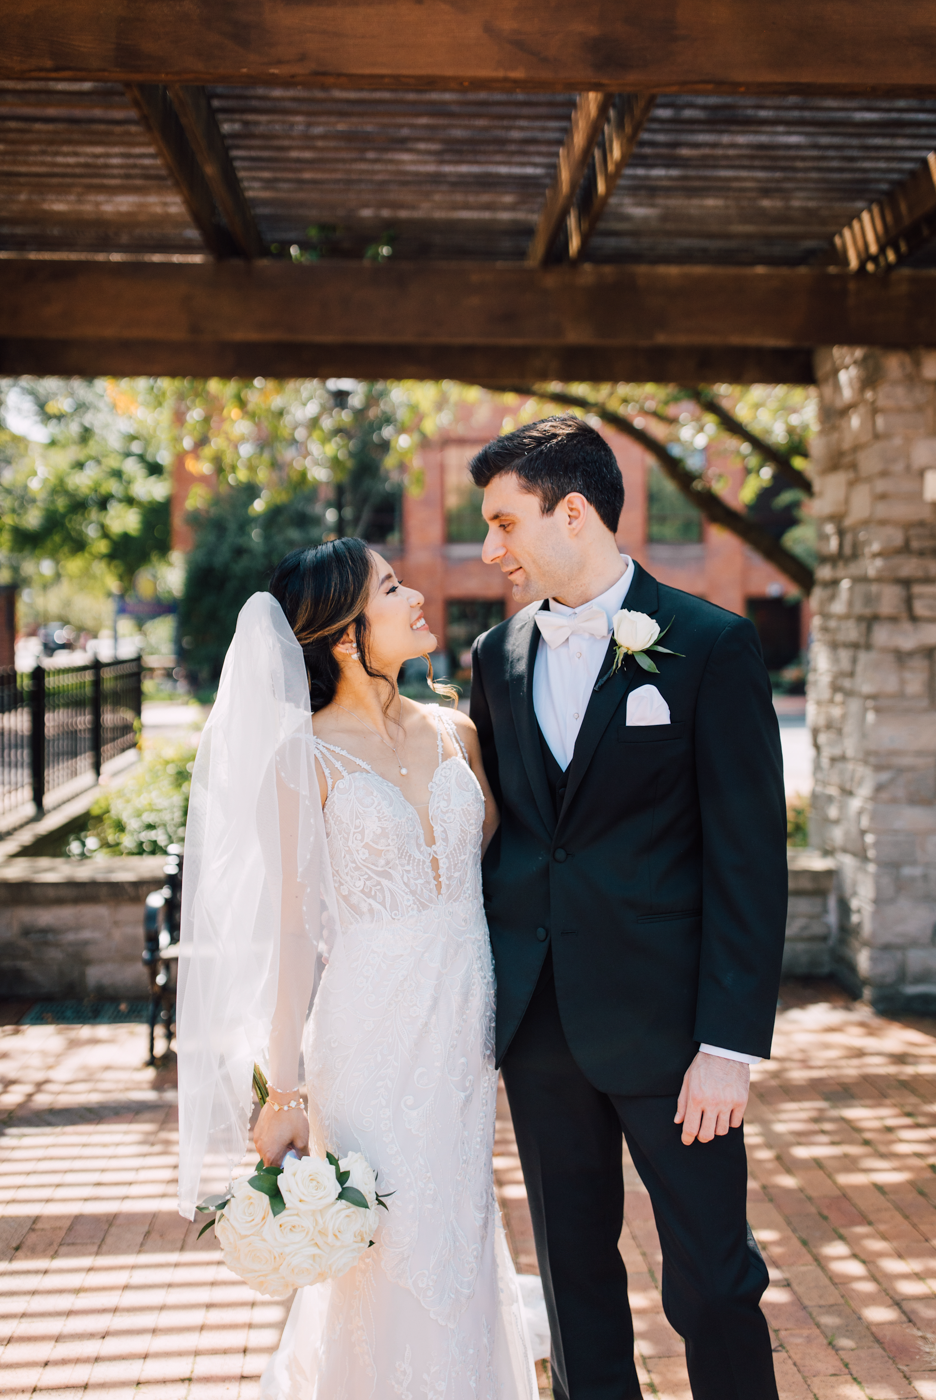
(399,1064)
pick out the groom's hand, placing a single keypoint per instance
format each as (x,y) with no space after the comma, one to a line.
(713,1097)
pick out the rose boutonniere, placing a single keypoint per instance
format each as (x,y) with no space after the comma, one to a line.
(636,634)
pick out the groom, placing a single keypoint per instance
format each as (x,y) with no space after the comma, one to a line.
(636,896)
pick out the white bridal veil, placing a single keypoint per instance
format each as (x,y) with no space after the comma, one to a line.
(258,905)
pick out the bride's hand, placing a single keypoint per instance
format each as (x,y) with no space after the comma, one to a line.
(276,1131)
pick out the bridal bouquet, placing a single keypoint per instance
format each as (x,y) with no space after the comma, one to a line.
(287,1227)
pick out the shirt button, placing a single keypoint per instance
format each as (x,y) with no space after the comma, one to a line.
(575,716)
(578,656)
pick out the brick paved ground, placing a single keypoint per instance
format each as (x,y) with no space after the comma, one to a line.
(104,1293)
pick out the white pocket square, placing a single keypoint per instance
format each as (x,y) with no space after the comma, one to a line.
(646,705)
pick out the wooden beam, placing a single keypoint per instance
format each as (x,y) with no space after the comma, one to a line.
(197,116)
(459,304)
(793,46)
(158,114)
(475,364)
(577,150)
(890,229)
(626,120)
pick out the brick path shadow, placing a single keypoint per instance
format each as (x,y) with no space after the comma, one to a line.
(105,1293)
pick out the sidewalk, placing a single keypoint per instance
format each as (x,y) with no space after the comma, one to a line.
(105,1294)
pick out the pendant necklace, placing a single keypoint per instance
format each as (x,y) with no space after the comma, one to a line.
(386,742)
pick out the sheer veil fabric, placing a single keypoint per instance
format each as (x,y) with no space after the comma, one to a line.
(258,903)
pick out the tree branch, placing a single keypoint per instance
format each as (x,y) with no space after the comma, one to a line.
(787,469)
(702,497)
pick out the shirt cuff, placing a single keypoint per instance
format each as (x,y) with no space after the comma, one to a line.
(731,1054)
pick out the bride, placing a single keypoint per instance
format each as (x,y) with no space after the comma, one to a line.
(341,869)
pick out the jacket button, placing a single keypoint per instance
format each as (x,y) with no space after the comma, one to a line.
(542,934)
(559,854)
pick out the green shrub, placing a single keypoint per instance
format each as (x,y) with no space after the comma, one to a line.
(146,813)
(797,820)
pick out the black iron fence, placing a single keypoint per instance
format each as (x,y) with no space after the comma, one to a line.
(59,722)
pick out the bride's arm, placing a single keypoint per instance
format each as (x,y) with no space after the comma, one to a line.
(277,1130)
(469,737)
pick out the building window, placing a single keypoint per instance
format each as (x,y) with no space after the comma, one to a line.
(778,625)
(464,523)
(671,519)
(465,619)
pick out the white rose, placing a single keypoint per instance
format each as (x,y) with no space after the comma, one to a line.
(343,1258)
(274,1284)
(250,1256)
(304,1265)
(362,1175)
(292,1228)
(247,1211)
(345,1224)
(634,631)
(309,1183)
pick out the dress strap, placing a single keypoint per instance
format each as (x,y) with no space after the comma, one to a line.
(451,729)
(334,750)
(324,765)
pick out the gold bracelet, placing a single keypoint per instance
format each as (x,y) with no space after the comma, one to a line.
(293,1103)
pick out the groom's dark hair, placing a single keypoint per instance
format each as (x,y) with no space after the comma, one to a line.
(552,457)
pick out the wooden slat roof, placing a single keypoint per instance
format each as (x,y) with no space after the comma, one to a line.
(777,157)
(457,176)
(78,172)
(453,175)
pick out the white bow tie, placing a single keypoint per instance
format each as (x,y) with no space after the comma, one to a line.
(557,628)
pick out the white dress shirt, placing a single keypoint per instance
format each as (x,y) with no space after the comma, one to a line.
(564,677)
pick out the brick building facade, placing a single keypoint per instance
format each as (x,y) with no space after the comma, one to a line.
(442,530)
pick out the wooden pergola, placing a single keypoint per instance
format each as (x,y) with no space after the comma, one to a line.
(471,189)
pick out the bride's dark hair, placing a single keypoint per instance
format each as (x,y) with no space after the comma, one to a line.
(324,590)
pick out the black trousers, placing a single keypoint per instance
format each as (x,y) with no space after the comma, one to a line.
(569,1138)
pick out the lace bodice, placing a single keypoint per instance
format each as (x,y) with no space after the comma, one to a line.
(382,866)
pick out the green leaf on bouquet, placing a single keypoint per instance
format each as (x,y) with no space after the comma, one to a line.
(354,1197)
(644,661)
(382,1202)
(277,1204)
(213,1203)
(330,1157)
(266,1185)
(666,651)
(342,1178)
(207,1226)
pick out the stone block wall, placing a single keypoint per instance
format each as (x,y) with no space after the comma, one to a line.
(74,929)
(872,686)
(811,915)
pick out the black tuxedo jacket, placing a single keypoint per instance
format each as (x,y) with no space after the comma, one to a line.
(662,886)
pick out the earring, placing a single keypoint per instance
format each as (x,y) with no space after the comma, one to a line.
(351,655)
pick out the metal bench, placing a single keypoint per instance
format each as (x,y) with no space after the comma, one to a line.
(162,922)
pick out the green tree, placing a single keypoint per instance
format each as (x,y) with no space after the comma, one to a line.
(286,464)
(767,428)
(89,491)
(234,554)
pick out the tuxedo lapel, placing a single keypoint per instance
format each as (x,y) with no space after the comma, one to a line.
(521,658)
(609,691)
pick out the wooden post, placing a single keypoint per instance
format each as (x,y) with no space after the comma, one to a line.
(37,705)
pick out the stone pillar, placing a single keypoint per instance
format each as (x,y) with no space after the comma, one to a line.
(872,685)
